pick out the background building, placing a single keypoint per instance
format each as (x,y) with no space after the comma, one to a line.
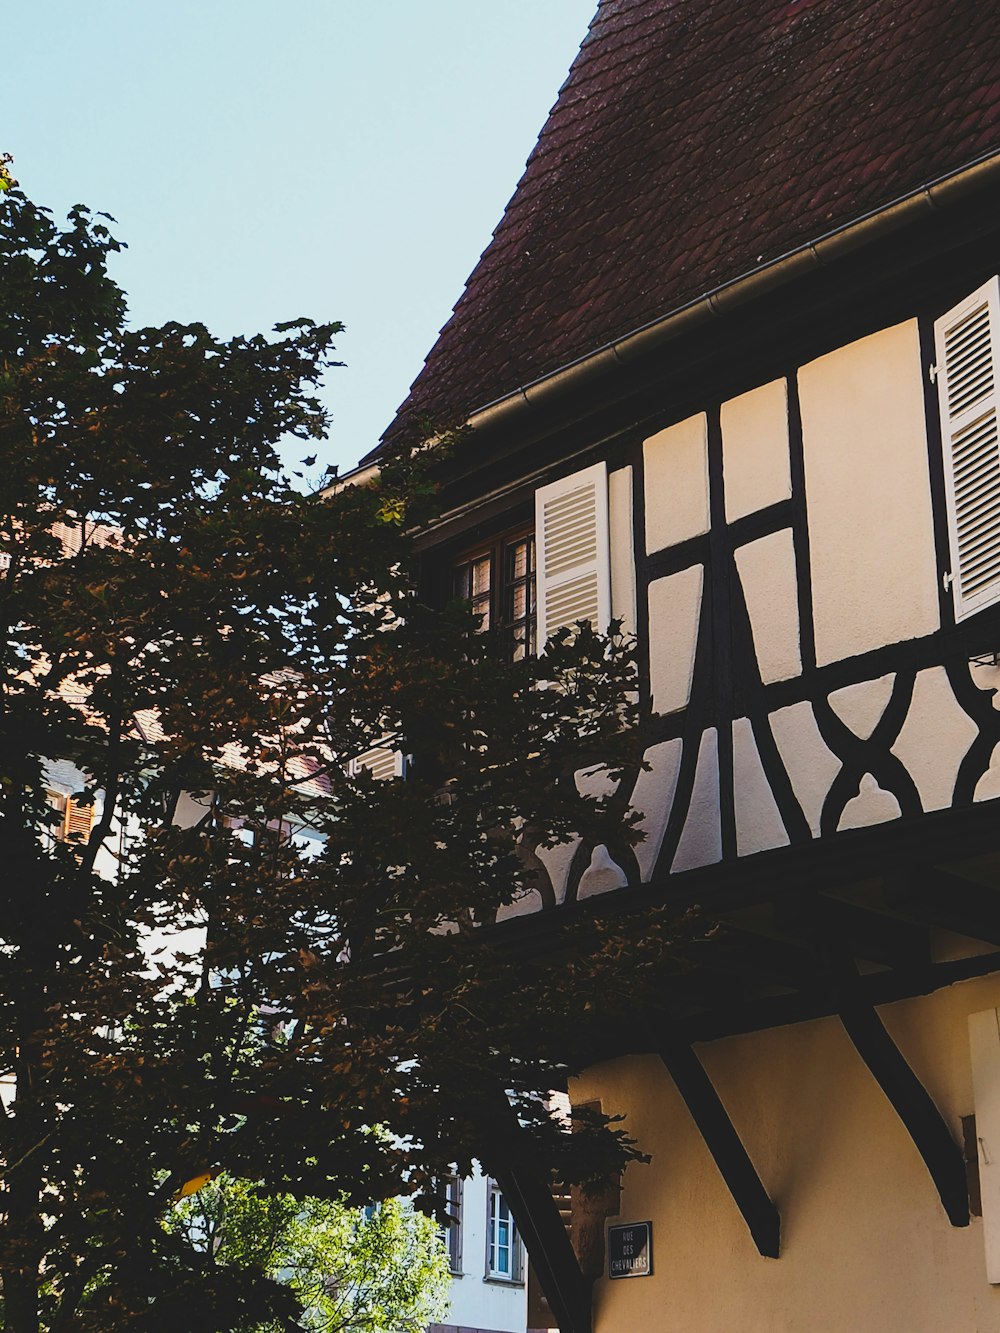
(487,1259)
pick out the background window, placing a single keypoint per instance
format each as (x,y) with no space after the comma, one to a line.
(502,1258)
(75,820)
(452,1233)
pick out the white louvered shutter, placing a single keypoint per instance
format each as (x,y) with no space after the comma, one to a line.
(381,761)
(79,821)
(574,563)
(968,359)
(75,821)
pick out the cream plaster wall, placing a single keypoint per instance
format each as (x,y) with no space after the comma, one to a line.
(557,861)
(860,706)
(866,1246)
(986,677)
(674,614)
(767,573)
(758,821)
(984,1049)
(603,875)
(701,838)
(675,470)
(934,739)
(755,460)
(871,539)
(872,805)
(988,786)
(527,904)
(653,796)
(810,764)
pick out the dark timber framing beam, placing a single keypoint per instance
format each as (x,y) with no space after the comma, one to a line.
(723,1142)
(537,1219)
(947,900)
(912,1103)
(864,931)
(526,1186)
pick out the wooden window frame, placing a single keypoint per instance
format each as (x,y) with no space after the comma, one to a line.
(509,630)
(452,1186)
(494,1196)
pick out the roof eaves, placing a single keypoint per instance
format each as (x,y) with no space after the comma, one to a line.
(938,195)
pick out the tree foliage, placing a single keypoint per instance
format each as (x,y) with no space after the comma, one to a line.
(255,956)
(375,1270)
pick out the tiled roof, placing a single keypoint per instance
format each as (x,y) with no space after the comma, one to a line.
(695,140)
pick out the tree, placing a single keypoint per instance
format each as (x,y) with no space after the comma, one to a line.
(375,1270)
(188,983)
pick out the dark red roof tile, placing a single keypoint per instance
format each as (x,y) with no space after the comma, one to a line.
(692,142)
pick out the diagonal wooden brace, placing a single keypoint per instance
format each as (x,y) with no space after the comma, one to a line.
(723,1142)
(527,1192)
(912,1103)
(526,1185)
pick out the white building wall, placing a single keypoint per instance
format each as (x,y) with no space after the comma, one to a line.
(479,1302)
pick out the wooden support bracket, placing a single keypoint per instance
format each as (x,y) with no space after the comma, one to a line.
(526,1186)
(537,1218)
(723,1142)
(912,1103)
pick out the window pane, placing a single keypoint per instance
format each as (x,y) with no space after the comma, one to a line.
(452,1230)
(500,585)
(518,560)
(501,1236)
(481,576)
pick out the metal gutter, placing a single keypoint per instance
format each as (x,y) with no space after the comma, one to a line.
(718,303)
(358,476)
(722,301)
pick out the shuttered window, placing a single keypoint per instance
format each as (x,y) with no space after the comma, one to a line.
(381,761)
(79,821)
(574,567)
(75,820)
(968,361)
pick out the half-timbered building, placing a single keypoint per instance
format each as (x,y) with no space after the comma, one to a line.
(731,365)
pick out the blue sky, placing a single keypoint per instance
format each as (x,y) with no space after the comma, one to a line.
(343,159)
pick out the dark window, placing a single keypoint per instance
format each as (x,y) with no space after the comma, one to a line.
(452,1231)
(498,579)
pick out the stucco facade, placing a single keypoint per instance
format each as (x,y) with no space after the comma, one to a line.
(864,1242)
